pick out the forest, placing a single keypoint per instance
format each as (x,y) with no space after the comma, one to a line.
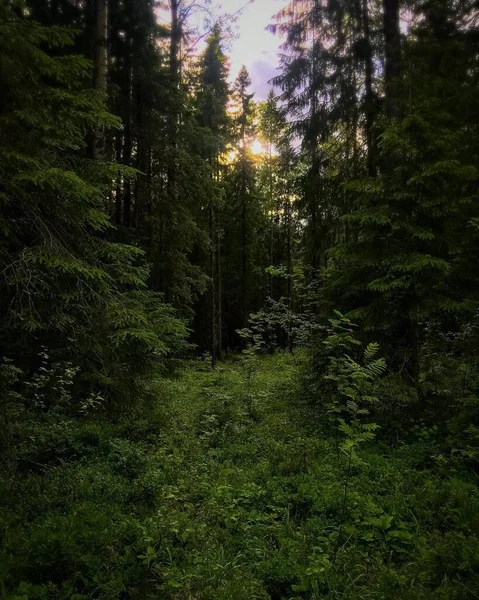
(239,338)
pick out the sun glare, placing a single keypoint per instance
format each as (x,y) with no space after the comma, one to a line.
(257,148)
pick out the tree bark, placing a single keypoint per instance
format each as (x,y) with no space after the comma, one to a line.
(175,39)
(272,216)
(213,315)
(219,309)
(392,67)
(100,61)
(314,171)
(370,104)
(127,81)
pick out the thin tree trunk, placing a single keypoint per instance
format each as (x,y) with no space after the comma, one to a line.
(213,315)
(119,180)
(128,116)
(313,175)
(100,60)
(270,177)
(174,78)
(114,42)
(243,223)
(370,108)
(220,299)
(392,45)
(127,153)
(142,113)
(243,260)
(289,263)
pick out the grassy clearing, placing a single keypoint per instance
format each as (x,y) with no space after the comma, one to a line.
(222,492)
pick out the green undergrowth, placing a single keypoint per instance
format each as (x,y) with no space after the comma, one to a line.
(227,488)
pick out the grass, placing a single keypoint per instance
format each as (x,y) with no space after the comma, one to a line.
(218,492)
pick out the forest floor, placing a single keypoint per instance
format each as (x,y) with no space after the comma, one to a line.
(227,488)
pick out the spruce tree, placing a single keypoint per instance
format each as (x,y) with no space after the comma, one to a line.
(413,223)
(271,178)
(66,286)
(213,121)
(245,218)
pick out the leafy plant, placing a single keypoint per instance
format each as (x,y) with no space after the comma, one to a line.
(351,387)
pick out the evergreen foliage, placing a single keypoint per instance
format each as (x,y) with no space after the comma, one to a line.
(238,339)
(65,284)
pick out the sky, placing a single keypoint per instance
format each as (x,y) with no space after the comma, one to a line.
(251,45)
(254,47)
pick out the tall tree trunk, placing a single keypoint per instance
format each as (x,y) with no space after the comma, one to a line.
(272,216)
(101,69)
(219,273)
(175,40)
(392,45)
(142,160)
(174,66)
(213,315)
(243,224)
(289,263)
(370,104)
(119,180)
(128,113)
(243,262)
(115,44)
(127,154)
(312,188)
(219,286)
(142,114)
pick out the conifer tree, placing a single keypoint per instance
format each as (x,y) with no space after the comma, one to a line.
(326,84)
(412,223)
(66,286)
(244,216)
(272,129)
(213,94)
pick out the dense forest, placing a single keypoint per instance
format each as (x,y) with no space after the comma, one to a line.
(239,339)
